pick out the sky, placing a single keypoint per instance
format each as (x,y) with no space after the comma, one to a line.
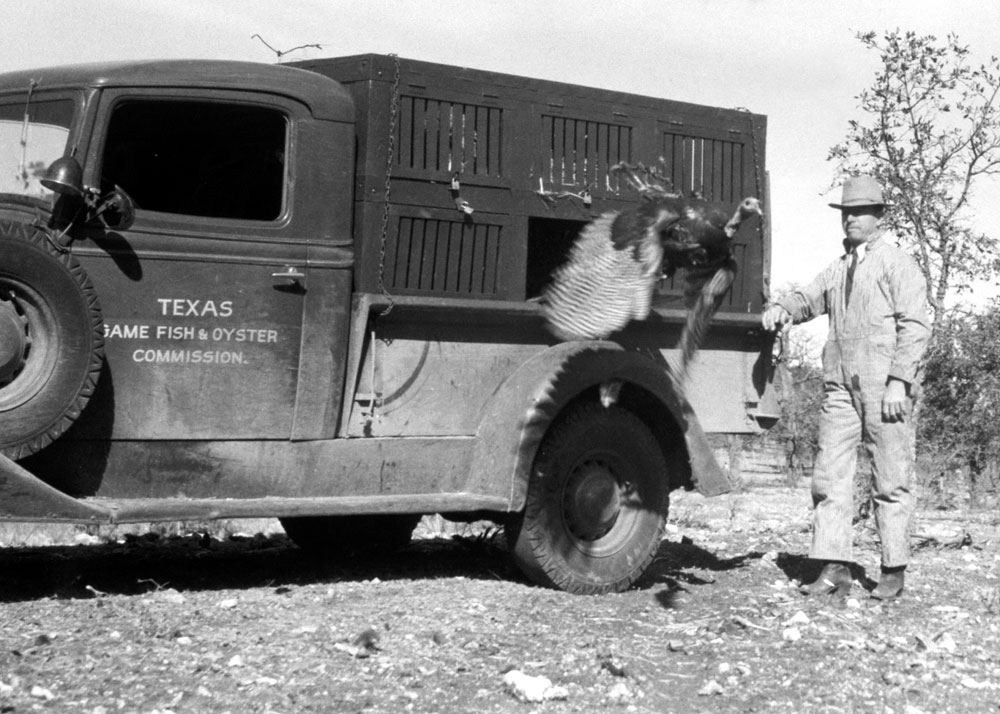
(796,61)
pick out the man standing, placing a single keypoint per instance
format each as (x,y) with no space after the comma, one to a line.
(875,298)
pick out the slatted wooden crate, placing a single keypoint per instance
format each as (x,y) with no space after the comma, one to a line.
(532,161)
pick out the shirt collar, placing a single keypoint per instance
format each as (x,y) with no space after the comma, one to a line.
(863,249)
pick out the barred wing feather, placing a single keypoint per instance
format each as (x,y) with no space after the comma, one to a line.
(601,288)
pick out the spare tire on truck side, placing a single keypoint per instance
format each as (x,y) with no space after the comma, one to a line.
(51,339)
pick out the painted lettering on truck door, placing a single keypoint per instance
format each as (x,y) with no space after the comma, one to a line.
(202,306)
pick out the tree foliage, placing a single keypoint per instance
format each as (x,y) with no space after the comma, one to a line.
(931,134)
(961,391)
(800,392)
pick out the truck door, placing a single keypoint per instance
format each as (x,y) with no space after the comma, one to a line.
(203,294)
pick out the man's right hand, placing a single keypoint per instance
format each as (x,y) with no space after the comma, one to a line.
(774,318)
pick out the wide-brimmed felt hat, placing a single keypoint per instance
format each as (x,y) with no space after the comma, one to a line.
(860,191)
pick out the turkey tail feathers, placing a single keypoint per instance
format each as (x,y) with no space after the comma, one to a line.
(709,296)
(600,288)
(613,266)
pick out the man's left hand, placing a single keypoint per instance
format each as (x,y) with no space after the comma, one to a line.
(894,401)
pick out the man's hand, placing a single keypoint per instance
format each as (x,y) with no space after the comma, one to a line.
(775,317)
(894,401)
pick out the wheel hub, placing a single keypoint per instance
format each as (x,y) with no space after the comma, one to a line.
(13,341)
(592,501)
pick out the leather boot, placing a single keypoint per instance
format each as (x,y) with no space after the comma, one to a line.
(890,585)
(834,579)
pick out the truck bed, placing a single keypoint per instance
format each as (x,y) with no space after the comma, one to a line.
(474,184)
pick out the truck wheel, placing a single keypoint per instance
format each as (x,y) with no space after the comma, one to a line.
(339,535)
(51,340)
(596,503)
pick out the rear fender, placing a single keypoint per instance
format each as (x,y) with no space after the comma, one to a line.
(526,404)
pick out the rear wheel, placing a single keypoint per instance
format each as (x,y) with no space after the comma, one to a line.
(343,535)
(51,340)
(596,503)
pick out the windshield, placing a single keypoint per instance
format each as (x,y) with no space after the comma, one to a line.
(33,134)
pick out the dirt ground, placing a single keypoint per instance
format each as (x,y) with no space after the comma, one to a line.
(192,623)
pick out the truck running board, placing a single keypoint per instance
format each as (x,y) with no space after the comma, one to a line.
(31,499)
(139,510)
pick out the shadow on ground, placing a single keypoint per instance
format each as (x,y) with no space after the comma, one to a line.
(806,570)
(149,562)
(680,565)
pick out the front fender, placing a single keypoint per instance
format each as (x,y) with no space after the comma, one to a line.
(25,497)
(522,409)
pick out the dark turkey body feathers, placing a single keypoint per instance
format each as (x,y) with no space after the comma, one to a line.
(614,265)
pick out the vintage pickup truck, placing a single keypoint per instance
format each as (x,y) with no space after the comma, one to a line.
(310,292)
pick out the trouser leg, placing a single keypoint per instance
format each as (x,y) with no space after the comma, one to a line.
(833,475)
(891,449)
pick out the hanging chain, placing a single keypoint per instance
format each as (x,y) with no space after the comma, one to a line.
(756,157)
(370,415)
(393,112)
(758,190)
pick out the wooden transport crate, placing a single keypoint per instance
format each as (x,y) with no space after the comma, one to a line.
(474,184)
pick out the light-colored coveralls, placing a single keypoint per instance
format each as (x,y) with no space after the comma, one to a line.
(880,332)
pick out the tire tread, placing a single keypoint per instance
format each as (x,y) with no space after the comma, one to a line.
(36,237)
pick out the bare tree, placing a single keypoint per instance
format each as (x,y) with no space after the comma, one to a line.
(931,133)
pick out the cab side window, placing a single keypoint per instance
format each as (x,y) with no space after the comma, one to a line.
(198,158)
(33,134)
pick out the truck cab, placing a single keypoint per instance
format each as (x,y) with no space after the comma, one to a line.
(311,292)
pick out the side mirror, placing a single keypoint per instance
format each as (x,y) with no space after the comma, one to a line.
(65,177)
(117,210)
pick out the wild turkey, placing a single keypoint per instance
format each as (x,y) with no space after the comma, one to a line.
(615,263)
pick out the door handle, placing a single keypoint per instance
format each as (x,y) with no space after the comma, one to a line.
(291,274)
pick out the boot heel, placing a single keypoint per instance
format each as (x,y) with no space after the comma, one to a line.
(835,579)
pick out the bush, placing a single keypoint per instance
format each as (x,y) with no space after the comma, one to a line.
(957,431)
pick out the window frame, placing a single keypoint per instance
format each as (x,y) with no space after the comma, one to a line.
(150,220)
(75,97)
